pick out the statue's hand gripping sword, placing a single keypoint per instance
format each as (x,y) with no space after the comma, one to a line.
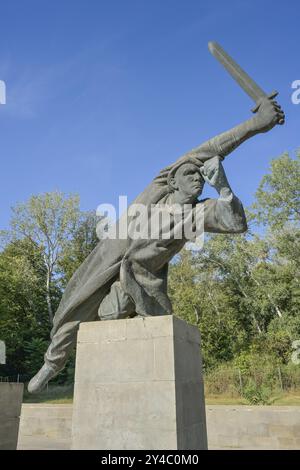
(241,77)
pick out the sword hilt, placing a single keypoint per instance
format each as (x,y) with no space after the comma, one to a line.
(271,96)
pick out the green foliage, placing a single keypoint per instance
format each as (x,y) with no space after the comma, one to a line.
(242,291)
(182,288)
(258,380)
(49,238)
(34,350)
(290,375)
(48,221)
(23,309)
(83,241)
(257,395)
(224,379)
(278,196)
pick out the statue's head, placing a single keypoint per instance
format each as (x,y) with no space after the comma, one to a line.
(187,180)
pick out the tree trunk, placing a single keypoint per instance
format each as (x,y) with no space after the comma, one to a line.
(277,310)
(48,297)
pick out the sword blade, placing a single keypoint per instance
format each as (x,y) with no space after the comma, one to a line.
(237,73)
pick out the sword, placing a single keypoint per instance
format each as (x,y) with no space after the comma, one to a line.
(241,77)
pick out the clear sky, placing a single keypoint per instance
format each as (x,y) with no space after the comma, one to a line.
(102,94)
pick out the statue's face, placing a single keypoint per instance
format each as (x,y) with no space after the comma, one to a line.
(189,180)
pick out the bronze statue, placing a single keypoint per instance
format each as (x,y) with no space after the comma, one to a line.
(125,277)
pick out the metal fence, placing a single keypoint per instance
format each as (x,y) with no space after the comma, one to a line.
(259,382)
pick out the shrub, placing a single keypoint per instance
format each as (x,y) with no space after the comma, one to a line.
(257,394)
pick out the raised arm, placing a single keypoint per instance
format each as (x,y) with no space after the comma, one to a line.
(269,114)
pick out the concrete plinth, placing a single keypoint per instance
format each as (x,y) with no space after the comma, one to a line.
(11,396)
(138,385)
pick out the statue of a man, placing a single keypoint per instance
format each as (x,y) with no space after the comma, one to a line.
(122,278)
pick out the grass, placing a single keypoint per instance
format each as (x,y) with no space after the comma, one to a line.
(55,394)
(223,400)
(291,398)
(63,394)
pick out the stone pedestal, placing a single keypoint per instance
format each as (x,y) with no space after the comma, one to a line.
(138,385)
(11,396)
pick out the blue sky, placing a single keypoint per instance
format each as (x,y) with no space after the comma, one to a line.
(103,94)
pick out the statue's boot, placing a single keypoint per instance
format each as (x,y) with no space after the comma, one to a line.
(40,380)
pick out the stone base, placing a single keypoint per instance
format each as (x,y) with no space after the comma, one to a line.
(11,396)
(138,385)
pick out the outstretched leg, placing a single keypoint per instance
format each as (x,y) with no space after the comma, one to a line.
(58,352)
(63,340)
(116,304)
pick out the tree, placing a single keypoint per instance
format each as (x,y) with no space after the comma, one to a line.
(83,241)
(200,297)
(245,289)
(184,295)
(48,240)
(242,291)
(47,220)
(278,195)
(23,308)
